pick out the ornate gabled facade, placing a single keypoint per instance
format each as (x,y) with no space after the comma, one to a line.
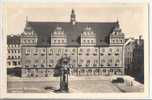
(58,37)
(94,48)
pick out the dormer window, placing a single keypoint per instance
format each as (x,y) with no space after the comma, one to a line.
(58,31)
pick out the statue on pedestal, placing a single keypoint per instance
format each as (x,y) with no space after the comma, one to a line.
(63,71)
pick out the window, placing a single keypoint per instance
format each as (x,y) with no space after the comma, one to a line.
(102,61)
(50,65)
(102,65)
(101,54)
(54,41)
(111,70)
(19,63)
(87,54)
(88,41)
(88,50)
(116,54)
(81,61)
(84,41)
(58,41)
(35,51)
(33,41)
(62,41)
(24,41)
(14,63)
(95,62)
(117,60)
(72,40)
(36,61)
(51,61)
(110,60)
(110,50)
(109,54)
(43,52)
(103,50)
(74,61)
(104,70)
(73,50)
(27,52)
(51,52)
(42,61)
(81,50)
(42,65)
(66,50)
(96,50)
(18,57)
(28,61)
(108,64)
(88,61)
(26,66)
(28,41)
(117,50)
(89,70)
(34,65)
(91,41)
(9,63)
(8,51)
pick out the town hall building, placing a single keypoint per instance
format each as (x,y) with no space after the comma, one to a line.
(94,48)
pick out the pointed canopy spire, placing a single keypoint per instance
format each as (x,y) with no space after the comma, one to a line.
(26,18)
(117,23)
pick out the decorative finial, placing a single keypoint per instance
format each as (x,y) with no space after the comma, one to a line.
(72,10)
(140,36)
(26,18)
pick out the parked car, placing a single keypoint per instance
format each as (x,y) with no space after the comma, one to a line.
(118,80)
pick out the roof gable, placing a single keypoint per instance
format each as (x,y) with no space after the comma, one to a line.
(73,32)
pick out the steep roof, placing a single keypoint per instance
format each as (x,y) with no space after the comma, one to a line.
(13,39)
(102,30)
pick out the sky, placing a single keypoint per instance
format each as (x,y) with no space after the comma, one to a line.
(133,18)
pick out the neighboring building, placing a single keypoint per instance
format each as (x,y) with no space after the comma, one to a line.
(134,58)
(138,60)
(14,51)
(129,48)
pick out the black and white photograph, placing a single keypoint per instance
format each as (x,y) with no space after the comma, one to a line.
(72,49)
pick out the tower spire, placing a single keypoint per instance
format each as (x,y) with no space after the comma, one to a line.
(73,17)
(26,21)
